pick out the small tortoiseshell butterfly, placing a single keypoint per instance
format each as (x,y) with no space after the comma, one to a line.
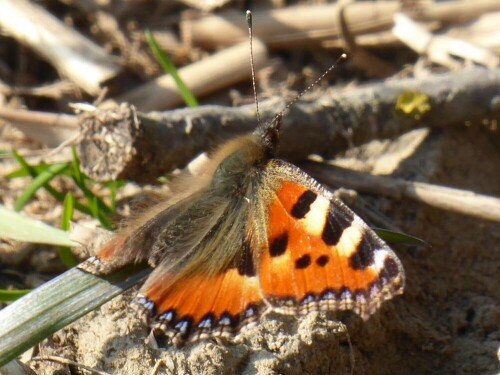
(250,234)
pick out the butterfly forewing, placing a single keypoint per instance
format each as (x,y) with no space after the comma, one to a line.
(319,254)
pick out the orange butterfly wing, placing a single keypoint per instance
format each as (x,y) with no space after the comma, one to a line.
(199,306)
(319,254)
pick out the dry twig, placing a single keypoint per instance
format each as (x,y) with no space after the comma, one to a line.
(73,55)
(456,200)
(130,145)
(440,49)
(304,25)
(220,70)
(48,128)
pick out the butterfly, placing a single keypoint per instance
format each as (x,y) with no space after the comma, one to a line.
(250,234)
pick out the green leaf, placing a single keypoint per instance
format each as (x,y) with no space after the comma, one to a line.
(12,295)
(38,182)
(170,68)
(19,227)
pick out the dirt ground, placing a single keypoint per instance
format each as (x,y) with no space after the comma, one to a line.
(447,321)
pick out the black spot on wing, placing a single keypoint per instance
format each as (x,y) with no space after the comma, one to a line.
(246,267)
(303,205)
(303,262)
(278,245)
(391,268)
(322,260)
(337,221)
(364,255)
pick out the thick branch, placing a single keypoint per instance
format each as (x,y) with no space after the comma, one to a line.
(139,147)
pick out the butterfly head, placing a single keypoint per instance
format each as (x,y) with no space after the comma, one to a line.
(269,135)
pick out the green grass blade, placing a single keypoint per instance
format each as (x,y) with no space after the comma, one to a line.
(69,209)
(12,295)
(38,182)
(113,187)
(32,171)
(99,215)
(78,177)
(22,172)
(65,253)
(398,238)
(45,310)
(76,166)
(170,68)
(22,161)
(81,181)
(92,198)
(19,227)
(104,221)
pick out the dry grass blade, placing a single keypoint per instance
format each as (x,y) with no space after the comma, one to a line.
(441,49)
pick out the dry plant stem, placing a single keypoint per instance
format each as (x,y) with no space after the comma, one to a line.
(287,27)
(73,55)
(123,144)
(445,198)
(48,128)
(362,58)
(440,49)
(295,26)
(483,32)
(56,90)
(208,75)
(109,27)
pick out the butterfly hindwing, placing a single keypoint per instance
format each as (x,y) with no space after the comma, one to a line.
(197,306)
(319,254)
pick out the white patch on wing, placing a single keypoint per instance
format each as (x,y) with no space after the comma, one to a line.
(315,219)
(350,239)
(379,259)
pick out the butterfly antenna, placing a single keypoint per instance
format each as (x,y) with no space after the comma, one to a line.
(300,95)
(250,36)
